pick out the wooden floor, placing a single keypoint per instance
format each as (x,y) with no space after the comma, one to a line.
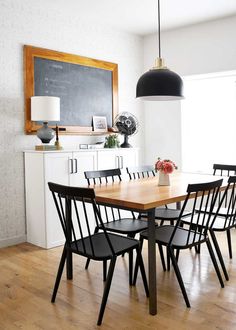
(27,276)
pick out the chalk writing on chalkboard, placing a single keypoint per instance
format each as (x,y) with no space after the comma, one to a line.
(86,87)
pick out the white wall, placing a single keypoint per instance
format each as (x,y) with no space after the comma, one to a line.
(202,48)
(54,25)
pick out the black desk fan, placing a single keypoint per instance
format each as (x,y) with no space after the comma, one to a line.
(126,124)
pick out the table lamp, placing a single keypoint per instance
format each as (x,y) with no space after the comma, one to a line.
(45,109)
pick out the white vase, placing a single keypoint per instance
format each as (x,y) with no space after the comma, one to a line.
(164,179)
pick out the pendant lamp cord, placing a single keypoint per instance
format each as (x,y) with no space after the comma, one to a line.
(159,29)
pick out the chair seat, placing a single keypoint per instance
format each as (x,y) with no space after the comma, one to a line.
(222,212)
(182,238)
(126,226)
(101,246)
(220,223)
(169,214)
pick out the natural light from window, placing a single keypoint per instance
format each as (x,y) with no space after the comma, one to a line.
(208,121)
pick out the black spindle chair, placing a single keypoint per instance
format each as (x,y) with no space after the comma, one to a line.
(224,170)
(113,221)
(77,211)
(225,220)
(164,214)
(178,237)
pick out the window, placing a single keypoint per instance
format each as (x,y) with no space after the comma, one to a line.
(208,121)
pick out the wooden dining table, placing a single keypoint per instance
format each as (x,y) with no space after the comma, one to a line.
(144,195)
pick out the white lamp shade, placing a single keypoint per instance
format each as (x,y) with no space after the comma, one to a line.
(45,108)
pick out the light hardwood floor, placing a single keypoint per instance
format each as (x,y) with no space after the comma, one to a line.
(27,275)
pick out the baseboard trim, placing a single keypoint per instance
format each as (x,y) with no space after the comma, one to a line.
(12,241)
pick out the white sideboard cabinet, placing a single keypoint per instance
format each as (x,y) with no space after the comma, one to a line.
(64,167)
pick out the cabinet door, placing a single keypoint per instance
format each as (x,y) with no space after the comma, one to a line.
(57,169)
(127,157)
(82,161)
(117,158)
(108,159)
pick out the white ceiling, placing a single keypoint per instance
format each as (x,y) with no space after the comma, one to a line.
(140,16)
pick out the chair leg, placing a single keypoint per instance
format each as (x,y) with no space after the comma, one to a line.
(104,270)
(87,263)
(168,260)
(106,290)
(88,260)
(131,236)
(130,267)
(59,273)
(177,255)
(142,270)
(162,257)
(136,263)
(213,258)
(131,262)
(198,248)
(178,275)
(218,252)
(229,243)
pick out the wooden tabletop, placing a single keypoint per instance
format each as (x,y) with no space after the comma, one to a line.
(145,194)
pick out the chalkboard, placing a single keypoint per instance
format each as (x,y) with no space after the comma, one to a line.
(83,91)
(86,87)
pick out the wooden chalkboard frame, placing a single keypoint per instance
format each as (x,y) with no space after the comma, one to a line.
(30,52)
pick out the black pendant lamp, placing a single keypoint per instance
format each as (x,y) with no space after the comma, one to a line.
(160,83)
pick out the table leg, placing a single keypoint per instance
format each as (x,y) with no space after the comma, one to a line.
(152,263)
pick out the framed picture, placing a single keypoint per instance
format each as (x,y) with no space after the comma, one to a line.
(99,124)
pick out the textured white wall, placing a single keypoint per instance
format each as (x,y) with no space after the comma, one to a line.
(54,25)
(196,49)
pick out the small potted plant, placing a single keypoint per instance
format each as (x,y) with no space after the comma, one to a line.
(164,167)
(112,141)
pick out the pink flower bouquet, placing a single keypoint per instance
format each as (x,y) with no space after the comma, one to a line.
(166,166)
